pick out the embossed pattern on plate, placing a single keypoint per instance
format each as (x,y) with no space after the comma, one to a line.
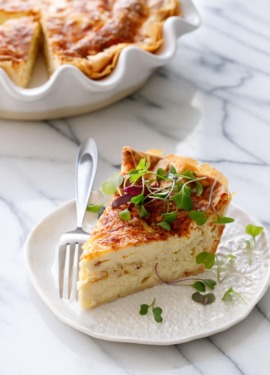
(184,319)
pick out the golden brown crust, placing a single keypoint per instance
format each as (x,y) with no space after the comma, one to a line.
(112,233)
(91,35)
(19,40)
(131,157)
(18,8)
(15,39)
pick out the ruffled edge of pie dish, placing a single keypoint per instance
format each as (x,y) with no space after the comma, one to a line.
(174,28)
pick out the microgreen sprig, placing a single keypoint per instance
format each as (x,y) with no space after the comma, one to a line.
(94,208)
(156,311)
(142,186)
(211,259)
(111,186)
(230,293)
(220,219)
(198,284)
(204,299)
(253,231)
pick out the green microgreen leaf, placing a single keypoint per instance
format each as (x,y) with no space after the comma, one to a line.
(164,225)
(172,172)
(142,211)
(94,208)
(210,283)
(110,186)
(161,195)
(230,293)
(142,165)
(138,199)
(169,217)
(183,199)
(204,299)
(144,309)
(189,175)
(199,285)
(198,216)
(157,311)
(161,175)
(125,215)
(223,220)
(253,230)
(221,261)
(230,257)
(198,188)
(208,259)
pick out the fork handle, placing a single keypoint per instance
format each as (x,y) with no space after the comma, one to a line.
(86,167)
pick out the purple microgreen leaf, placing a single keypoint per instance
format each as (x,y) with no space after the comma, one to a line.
(133,189)
(121,200)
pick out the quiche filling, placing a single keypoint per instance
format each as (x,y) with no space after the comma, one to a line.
(89,34)
(150,223)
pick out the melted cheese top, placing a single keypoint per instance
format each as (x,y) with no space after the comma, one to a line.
(84,28)
(15,38)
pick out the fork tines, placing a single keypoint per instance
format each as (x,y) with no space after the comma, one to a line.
(68,268)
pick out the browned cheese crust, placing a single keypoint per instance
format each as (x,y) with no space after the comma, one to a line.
(15,39)
(19,40)
(19,8)
(112,233)
(91,35)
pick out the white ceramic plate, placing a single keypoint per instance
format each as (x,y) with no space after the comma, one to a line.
(184,319)
(69,92)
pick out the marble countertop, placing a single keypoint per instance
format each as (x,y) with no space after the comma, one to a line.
(211,103)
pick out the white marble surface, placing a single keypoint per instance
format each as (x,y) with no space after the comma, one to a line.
(211,103)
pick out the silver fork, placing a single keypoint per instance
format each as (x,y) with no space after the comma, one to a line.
(69,247)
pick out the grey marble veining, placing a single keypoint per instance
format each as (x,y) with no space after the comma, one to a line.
(212,103)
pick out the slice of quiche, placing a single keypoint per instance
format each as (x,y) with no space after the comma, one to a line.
(19,42)
(164,213)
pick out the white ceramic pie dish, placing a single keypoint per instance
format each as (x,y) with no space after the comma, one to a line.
(69,92)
